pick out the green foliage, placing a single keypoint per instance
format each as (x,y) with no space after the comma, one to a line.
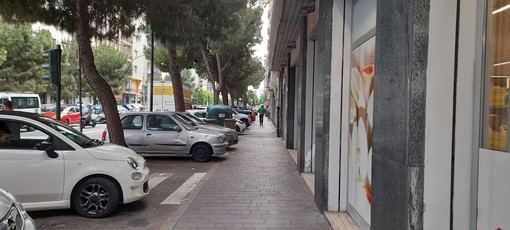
(69,75)
(252,98)
(113,66)
(245,72)
(187,78)
(111,63)
(202,97)
(21,58)
(107,17)
(3,55)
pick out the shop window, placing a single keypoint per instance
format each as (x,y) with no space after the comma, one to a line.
(497,77)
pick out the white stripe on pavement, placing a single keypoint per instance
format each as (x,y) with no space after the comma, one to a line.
(157,178)
(178,196)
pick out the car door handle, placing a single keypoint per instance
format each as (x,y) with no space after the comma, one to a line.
(148,134)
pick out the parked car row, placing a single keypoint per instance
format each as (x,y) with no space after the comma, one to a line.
(221,112)
(174,133)
(92,177)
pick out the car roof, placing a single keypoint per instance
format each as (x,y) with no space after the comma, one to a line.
(21,114)
(149,113)
(196,110)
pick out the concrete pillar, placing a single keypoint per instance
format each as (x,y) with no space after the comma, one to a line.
(399,114)
(291,100)
(303,93)
(322,94)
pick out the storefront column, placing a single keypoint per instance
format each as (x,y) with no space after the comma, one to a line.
(399,114)
(304,107)
(291,100)
(322,96)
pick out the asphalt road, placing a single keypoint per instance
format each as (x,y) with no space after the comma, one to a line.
(172,181)
(94,133)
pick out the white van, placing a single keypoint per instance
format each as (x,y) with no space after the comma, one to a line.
(26,102)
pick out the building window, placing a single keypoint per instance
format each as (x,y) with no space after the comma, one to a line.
(136,53)
(135,69)
(497,77)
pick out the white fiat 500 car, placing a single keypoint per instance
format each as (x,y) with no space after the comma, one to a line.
(165,133)
(47,165)
(12,213)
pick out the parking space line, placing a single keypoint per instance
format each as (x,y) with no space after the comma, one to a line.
(157,178)
(188,186)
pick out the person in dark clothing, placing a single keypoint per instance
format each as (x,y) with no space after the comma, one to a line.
(261,112)
(7,105)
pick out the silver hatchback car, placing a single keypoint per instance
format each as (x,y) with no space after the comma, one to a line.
(166,133)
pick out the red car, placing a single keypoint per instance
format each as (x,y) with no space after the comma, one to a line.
(68,114)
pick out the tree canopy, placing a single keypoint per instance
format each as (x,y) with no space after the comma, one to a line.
(21,57)
(217,32)
(221,32)
(111,63)
(86,19)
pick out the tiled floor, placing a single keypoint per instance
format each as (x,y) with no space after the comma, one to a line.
(257,187)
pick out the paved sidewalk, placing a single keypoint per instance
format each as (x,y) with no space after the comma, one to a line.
(256,187)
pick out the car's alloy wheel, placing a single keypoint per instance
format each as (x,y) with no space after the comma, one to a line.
(201,153)
(95,198)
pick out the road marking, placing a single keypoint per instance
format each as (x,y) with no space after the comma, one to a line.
(157,178)
(178,196)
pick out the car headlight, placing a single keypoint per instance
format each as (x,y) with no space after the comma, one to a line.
(13,219)
(229,134)
(136,176)
(221,139)
(132,162)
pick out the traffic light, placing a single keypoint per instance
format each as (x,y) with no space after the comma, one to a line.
(53,65)
(54,68)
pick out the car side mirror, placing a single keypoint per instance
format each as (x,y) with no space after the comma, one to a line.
(177,128)
(48,148)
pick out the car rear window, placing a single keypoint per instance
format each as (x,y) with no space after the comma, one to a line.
(132,122)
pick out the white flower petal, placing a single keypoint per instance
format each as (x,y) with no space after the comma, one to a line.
(356,85)
(370,110)
(352,110)
(363,148)
(354,142)
(369,166)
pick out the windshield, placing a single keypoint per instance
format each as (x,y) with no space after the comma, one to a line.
(183,122)
(195,119)
(69,132)
(54,110)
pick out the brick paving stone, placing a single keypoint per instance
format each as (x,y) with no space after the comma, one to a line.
(255,187)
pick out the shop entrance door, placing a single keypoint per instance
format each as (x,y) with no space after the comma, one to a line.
(361,97)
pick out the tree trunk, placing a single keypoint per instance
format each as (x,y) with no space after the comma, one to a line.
(93,77)
(221,80)
(175,71)
(211,78)
(224,96)
(216,98)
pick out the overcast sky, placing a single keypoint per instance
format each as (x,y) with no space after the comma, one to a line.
(262,49)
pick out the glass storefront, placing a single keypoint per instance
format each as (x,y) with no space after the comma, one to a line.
(359,182)
(497,76)
(494,156)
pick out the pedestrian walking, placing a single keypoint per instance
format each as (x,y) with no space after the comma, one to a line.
(261,112)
